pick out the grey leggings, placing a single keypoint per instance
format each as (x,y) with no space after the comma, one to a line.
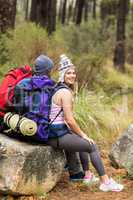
(71,143)
(77,161)
(84,159)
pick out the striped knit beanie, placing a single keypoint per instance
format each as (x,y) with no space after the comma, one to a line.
(64,64)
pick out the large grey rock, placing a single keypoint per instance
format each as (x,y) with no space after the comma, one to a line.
(28,169)
(121,154)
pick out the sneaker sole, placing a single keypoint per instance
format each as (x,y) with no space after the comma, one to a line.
(76,180)
(119,190)
(91,182)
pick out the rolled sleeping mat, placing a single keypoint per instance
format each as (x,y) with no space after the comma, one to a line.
(27,126)
(11,120)
(24,125)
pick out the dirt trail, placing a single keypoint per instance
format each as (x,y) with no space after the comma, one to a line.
(65,190)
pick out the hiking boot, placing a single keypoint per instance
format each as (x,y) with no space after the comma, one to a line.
(77,177)
(66,167)
(112,186)
(90,179)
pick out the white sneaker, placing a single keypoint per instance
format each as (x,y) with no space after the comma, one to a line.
(90,179)
(111,186)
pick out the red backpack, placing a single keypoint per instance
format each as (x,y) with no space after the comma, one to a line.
(7,87)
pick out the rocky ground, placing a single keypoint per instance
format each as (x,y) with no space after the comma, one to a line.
(65,190)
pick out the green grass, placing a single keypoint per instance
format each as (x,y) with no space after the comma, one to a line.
(102,117)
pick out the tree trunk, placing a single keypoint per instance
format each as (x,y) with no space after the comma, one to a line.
(27,10)
(80,7)
(60,10)
(51,16)
(94,9)
(7,14)
(86,10)
(75,10)
(39,12)
(64,12)
(33,13)
(70,11)
(107,9)
(44,13)
(103,10)
(119,53)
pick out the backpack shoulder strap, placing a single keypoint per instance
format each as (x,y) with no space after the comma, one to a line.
(59,86)
(24,71)
(56,116)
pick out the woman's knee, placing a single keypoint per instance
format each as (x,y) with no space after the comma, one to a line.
(94,148)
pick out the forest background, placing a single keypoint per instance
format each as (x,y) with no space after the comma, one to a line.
(97,35)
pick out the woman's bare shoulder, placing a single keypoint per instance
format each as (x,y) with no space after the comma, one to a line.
(64,91)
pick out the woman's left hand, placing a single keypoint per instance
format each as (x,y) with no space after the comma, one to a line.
(91,141)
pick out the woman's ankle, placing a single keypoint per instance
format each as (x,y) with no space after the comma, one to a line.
(104,178)
(88,173)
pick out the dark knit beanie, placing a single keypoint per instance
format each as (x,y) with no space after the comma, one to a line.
(43,64)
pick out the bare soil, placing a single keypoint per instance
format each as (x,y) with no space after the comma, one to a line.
(66,190)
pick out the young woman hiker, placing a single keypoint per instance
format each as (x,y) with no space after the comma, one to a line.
(66,133)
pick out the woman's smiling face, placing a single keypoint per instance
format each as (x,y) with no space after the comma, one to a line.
(70,76)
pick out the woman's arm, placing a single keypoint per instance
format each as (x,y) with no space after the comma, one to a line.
(66,101)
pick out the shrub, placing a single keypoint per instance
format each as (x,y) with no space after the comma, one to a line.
(27,41)
(85,39)
(100,116)
(89,68)
(115,82)
(129,42)
(88,47)
(3,49)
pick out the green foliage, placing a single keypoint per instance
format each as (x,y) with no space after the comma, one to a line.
(100,116)
(88,47)
(115,82)
(3,50)
(27,41)
(85,39)
(88,68)
(99,113)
